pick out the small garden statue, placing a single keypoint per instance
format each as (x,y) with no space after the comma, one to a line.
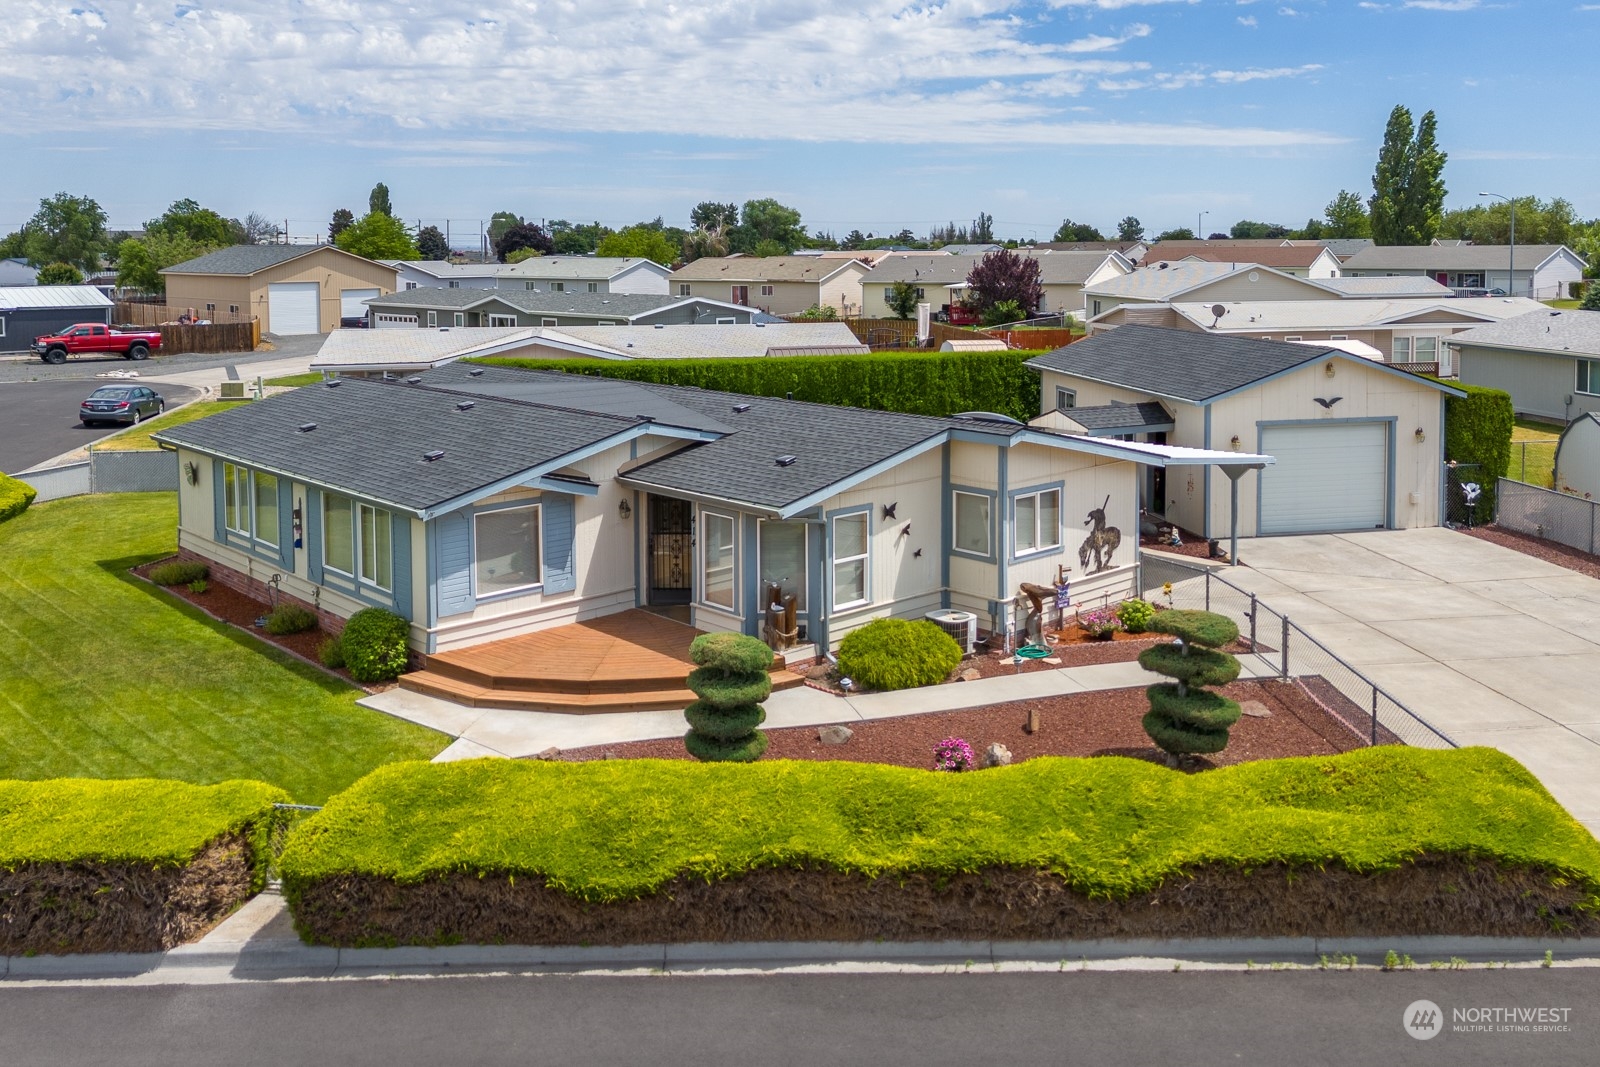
(731,679)
(1185,718)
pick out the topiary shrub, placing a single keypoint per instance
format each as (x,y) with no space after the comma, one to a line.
(289,619)
(898,654)
(732,677)
(1136,615)
(1185,718)
(181,572)
(374,645)
(15,496)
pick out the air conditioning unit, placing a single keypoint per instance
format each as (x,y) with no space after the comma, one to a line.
(961,625)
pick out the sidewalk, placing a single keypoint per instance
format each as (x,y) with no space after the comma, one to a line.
(494,732)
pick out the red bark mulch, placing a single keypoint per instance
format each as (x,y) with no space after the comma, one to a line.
(1538,548)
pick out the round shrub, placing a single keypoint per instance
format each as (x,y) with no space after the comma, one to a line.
(1136,615)
(898,654)
(289,619)
(1200,667)
(1204,628)
(15,496)
(733,676)
(374,644)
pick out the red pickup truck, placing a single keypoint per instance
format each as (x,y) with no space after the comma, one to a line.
(95,337)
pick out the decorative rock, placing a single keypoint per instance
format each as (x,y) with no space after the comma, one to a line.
(1256,709)
(548,754)
(997,755)
(971,674)
(834,735)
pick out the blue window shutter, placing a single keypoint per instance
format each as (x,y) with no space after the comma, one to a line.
(400,556)
(286,523)
(217,491)
(454,539)
(314,536)
(560,572)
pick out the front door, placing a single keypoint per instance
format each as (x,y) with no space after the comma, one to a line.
(740,295)
(670,550)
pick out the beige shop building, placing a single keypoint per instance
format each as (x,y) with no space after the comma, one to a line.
(292,289)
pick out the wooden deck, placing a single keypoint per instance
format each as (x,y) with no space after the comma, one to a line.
(630,661)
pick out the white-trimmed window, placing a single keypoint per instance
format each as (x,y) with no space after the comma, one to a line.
(411,285)
(339,534)
(594,287)
(1401,350)
(852,570)
(766,290)
(726,320)
(1425,349)
(547,321)
(236,498)
(717,560)
(505,550)
(502,320)
(377,553)
(433,318)
(454,284)
(558,287)
(461,318)
(974,523)
(357,541)
(888,293)
(1036,521)
(530,285)
(1589,376)
(1066,399)
(683,288)
(250,504)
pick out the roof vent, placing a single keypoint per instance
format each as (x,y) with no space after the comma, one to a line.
(333,383)
(466,405)
(660,326)
(307,427)
(761,325)
(413,380)
(786,461)
(429,457)
(741,408)
(476,372)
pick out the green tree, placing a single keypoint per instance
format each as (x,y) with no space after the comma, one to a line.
(1538,222)
(1408,191)
(1180,233)
(1005,276)
(710,215)
(141,260)
(1591,297)
(199,224)
(576,240)
(378,202)
(1077,231)
(983,229)
(903,300)
(342,218)
(431,243)
(60,274)
(1346,216)
(702,243)
(257,228)
(66,229)
(378,236)
(1247,229)
(767,220)
(641,241)
(524,235)
(1185,717)
(767,247)
(1130,229)
(500,222)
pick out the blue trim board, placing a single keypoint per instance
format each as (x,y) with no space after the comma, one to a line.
(1004,531)
(1061,537)
(1389,447)
(313,527)
(749,572)
(993,555)
(1444,482)
(1205,481)
(946,528)
(827,519)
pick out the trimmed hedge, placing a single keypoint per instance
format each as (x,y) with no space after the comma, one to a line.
(374,645)
(732,677)
(15,496)
(1110,827)
(1477,429)
(916,383)
(179,572)
(898,654)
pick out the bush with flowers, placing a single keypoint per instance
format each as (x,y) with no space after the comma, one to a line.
(952,754)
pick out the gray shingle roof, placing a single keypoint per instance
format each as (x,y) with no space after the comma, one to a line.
(1129,418)
(242,259)
(1448,257)
(621,305)
(371,435)
(1391,285)
(1577,332)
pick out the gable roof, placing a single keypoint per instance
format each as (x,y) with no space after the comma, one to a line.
(755,269)
(703,340)
(931,269)
(537,301)
(376,350)
(1268,256)
(578,268)
(443,268)
(252,259)
(1072,266)
(14,297)
(1143,417)
(1183,365)
(1559,332)
(1453,257)
(1271,316)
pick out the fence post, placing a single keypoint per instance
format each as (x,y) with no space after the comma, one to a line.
(1592,508)
(1284,673)
(1252,622)
(1208,588)
(1374,716)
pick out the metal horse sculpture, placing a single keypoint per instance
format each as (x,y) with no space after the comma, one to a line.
(1102,542)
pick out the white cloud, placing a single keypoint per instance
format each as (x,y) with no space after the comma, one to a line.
(901,71)
(1441,5)
(1115,5)
(1247,20)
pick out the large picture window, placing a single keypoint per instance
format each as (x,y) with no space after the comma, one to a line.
(369,556)
(974,524)
(717,559)
(505,554)
(1036,521)
(250,504)
(1589,376)
(236,498)
(851,566)
(338,534)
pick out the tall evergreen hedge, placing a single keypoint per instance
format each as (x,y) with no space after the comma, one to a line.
(916,383)
(1477,429)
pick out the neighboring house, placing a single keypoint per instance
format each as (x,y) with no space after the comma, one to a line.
(1549,361)
(427,308)
(968,249)
(1301,261)
(408,351)
(1065,274)
(1345,247)
(443,274)
(1160,282)
(17,272)
(587,274)
(1411,330)
(292,289)
(1577,463)
(1542,271)
(482,503)
(1132,251)
(778,285)
(939,279)
(28,311)
(1388,287)
(1359,445)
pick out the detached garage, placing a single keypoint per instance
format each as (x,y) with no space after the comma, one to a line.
(1358,444)
(292,289)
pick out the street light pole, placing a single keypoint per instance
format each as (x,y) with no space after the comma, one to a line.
(1511,270)
(1200,226)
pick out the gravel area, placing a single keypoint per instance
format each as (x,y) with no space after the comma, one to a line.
(1080,724)
(1538,548)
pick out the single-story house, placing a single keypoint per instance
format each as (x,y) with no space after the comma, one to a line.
(778,285)
(1359,445)
(1407,330)
(409,351)
(17,271)
(1163,281)
(1548,360)
(1132,251)
(292,289)
(1302,261)
(587,274)
(1345,247)
(27,311)
(1542,271)
(938,278)
(1064,275)
(1577,463)
(430,308)
(482,503)
(444,274)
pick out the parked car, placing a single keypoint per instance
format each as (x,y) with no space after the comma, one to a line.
(353,322)
(121,403)
(88,337)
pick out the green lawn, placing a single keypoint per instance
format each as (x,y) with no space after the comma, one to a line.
(308,378)
(137,438)
(1564,305)
(104,676)
(1533,452)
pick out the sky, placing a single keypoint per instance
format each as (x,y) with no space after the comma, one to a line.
(863,114)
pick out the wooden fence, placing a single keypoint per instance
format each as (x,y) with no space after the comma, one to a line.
(239,335)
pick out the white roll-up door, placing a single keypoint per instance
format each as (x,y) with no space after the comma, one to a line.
(294,307)
(350,302)
(1328,478)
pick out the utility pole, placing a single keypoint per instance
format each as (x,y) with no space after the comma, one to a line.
(1511,269)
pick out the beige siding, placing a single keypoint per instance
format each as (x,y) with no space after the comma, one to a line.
(331,269)
(1538,384)
(842,292)
(222,290)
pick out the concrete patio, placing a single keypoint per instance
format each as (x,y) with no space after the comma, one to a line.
(1494,647)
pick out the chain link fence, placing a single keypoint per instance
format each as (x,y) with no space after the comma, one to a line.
(1560,517)
(1467,500)
(285,817)
(1275,647)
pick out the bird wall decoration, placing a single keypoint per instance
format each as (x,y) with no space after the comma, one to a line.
(1327,402)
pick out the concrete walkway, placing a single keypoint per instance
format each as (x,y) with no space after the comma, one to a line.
(491,732)
(1494,647)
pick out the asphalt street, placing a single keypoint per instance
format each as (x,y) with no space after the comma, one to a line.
(1142,1018)
(39,420)
(32,369)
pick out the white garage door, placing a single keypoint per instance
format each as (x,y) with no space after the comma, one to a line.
(350,302)
(293,307)
(1328,478)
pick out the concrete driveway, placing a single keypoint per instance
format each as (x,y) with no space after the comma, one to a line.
(1494,647)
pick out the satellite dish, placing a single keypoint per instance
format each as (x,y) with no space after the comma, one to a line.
(1217,311)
